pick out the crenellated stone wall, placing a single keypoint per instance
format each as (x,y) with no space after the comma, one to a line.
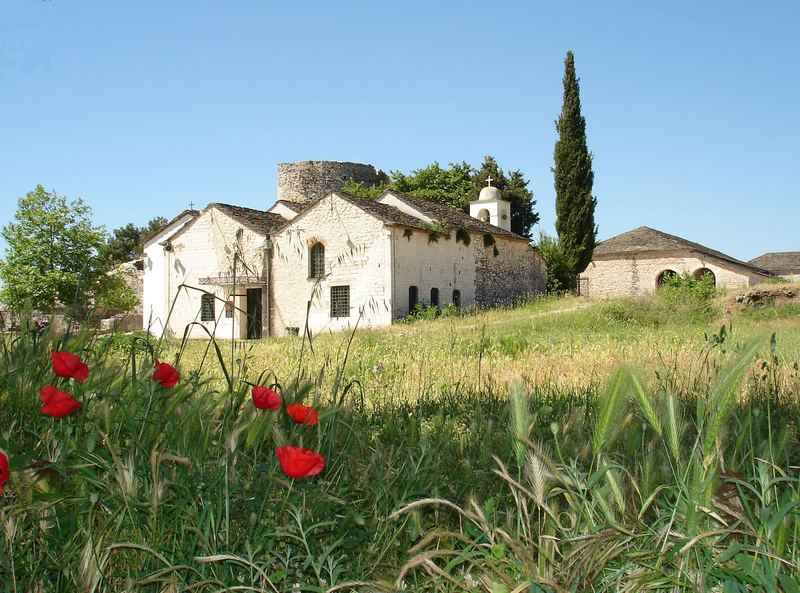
(307,180)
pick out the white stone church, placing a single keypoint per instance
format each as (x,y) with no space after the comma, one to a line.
(326,260)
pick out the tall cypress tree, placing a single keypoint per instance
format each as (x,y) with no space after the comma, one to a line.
(574,178)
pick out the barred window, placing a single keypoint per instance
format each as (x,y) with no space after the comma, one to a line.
(413,298)
(340,301)
(457,298)
(207,307)
(229,310)
(435,297)
(316,263)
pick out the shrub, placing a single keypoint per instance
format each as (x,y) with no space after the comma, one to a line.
(559,264)
(689,297)
(424,312)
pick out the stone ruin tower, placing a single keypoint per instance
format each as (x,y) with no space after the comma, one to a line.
(307,180)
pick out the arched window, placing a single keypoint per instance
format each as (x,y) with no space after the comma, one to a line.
(413,298)
(701,273)
(662,278)
(457,298)
(483,214)
(435,297)
(316,264)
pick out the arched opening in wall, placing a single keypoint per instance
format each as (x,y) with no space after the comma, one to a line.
(316,261)
(413,298)
(483,214)
(664,276)
(703,273)
(457,298)
(435,297)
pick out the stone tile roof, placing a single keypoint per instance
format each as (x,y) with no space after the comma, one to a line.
(256,220)
(779,262)
(644,239)
(453,218)
(386,214)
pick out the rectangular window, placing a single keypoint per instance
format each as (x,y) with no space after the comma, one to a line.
(207,307)
(340,301)
(229,310)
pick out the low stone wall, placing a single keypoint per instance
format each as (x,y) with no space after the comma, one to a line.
(515,272)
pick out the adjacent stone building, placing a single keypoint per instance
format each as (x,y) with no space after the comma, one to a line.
(329,263)
(781,263)
(637,262)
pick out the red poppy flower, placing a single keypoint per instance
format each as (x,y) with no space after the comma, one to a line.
(302,414)
(165,374)
(4,473)
(297,462)
(56,403)
(69,366)
(265,399)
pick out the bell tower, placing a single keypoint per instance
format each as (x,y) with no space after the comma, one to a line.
(491,207)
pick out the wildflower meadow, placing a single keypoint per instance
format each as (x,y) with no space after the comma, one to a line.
(127,465)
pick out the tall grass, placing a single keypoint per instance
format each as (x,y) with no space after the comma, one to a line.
(647,480)
(657,502)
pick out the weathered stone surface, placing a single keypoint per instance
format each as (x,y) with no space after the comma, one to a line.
(133,274)
(375,250)
(307,180)
(515,272)
(213,246)
(638,275)
(357,255)
(774,294)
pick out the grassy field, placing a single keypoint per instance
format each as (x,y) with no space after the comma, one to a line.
(502,451)
(568,343)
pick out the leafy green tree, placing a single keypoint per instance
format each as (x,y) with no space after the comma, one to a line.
(459,184)
(452,186)
(126,243)
(574,178)
(52,253)
(514,188)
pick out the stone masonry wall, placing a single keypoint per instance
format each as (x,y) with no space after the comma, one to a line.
(308,180)
(636,276)
(446,264)
(357,254)
(207,249)
(515,272)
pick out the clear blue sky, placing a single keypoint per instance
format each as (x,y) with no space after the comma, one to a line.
(692,108)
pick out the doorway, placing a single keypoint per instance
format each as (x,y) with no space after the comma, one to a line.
(254,313)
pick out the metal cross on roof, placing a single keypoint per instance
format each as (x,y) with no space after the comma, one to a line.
(191,205)
(489,181)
